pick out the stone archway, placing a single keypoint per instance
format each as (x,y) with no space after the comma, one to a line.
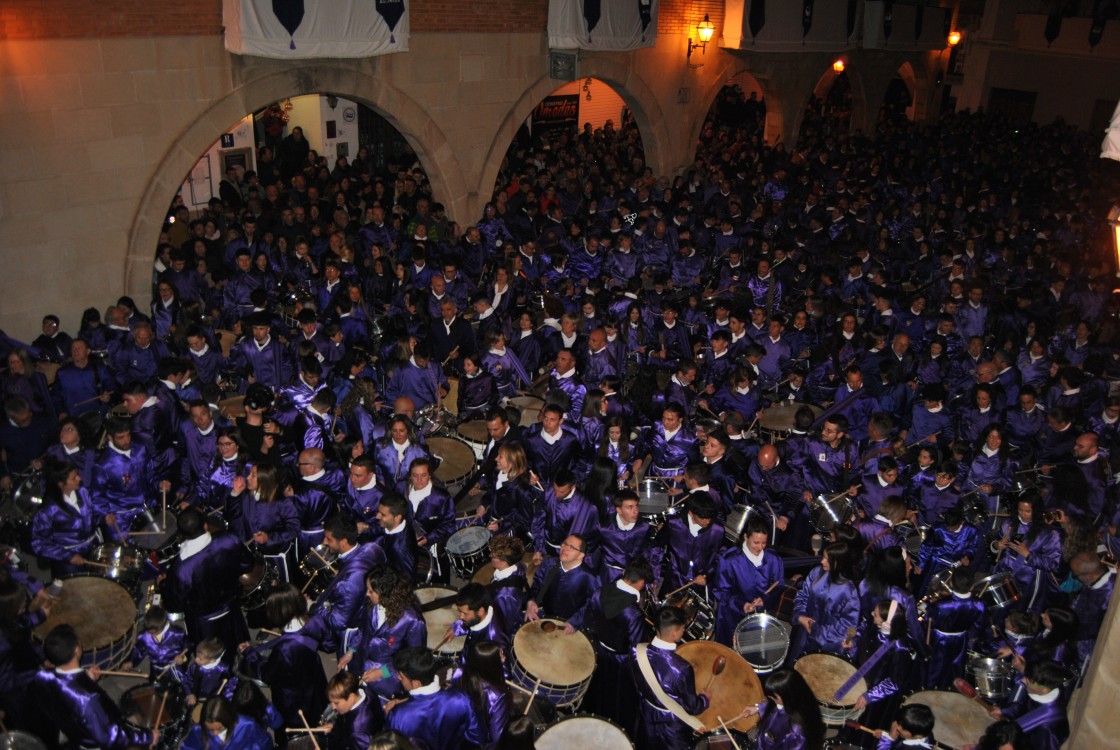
(626,81)
(771,92)
(404,113)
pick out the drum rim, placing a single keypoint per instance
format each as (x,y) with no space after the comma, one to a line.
(559,624)
(447,544)
(534,680)
(469,449)
(129,635)
(167,687)
(818,652)
(765,617)
(586,715)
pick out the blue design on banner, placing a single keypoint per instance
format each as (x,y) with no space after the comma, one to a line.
(392,11)
(290,15)
(591,12)
(645,15)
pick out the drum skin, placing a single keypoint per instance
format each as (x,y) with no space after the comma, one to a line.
(584,733)
(826,674)
(439,620)
(456,459)
(102,613)
(958,721)
(735,688)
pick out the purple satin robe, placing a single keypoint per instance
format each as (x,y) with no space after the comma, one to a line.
(377,640)
(561,594)
(656,727)
(246,735)
(160,652)
(738,581)
(1034,575)
(617,547)
(776,731)
(59,532)
(354,729)
(952,624)
(833,605)
(687,556)
(122,484)
(337,607)
(80,708)
(294,672)
(444,720)
(546,459)
(559,518)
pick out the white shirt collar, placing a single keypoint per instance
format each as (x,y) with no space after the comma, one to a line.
(552,439)
(501,575)
(693,527)
(126,454)
(418,496)
(294,625)
(566,375)
(1103,580)
(72,500)
(485,621)
(623,526)
(369,486)
(400,527)
(670,435)
(208,430)
(1050,697)
(624,586)
(430,689)
(663,645)
(267,341)
(316,476)
(756,559)
(192,547)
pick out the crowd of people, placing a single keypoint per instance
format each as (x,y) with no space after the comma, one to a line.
(862,385)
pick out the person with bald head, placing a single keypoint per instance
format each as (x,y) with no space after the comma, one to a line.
(316,496)
(1093,468)
(776,488)
(1091,602)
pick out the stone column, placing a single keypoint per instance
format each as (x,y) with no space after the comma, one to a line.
(1093,719)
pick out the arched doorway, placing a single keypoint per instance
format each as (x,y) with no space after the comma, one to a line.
(738,113)
(829,111)
(898,103)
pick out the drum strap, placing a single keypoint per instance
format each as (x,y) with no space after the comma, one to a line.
(659,692)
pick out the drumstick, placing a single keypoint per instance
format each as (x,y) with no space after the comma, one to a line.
(773,586)
(266,631)
(110,673)
(163,671)
(96,564)
(728,731)
(446,639)
(968,691)
(533,696)
(162,705)
(146,533)
(310,578)
(862,728)
(117,529)
(326,562)
(677,591)
(163,492)
(308,729)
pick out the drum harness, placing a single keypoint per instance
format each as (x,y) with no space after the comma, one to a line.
(668,703)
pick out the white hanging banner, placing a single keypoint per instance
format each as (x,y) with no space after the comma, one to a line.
(299,29)
(602,24)
(1110,149)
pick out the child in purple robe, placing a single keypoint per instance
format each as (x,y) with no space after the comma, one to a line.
(161,644)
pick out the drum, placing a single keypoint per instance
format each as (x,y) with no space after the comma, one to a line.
(958,721)
(653,497)
(226,340)
(718,740)
(153,535)
(25,501)
(827,513)
(995,679)
(257,583)
(584,732)
(118,562)
(16,740)
(826,674)
(530,408)
(552,664)
(468,548)
(485,574)
(233,407)
(141,704)
(102,613)
(762,640)
(701,618)
(912,537)
(996,591)
(318,566)
(49,370)
(733,690)
(777,422)
(475,435)
(439,620)
(456,462)
(433,419)
(738,519)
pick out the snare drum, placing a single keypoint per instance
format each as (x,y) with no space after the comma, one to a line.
(159,537)
(439,620)
(995,679)
(118,562)
(653,497)
(432,419)
(16,740)
(552,665)
(996,591)
(141,704)
(102,613)
(456,461)
(318,566)
(257,583)
(737,686)
(958,721)
(738,519)
(762,640)
(827,513)
(826,674)
(700,615)
(232,408)
(475,435)
(530,408)
(468,548)
(584,732)
(777,422)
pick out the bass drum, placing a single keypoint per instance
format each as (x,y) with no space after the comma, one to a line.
(584,732)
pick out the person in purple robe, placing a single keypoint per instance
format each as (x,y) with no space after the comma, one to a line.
(1031,551)
(668,446)
(510,505)
(745,579)
(70,699)
(420,379)
(551,444)
(692,542)
(64,529)
(198,436)
(431,510)
(229,463)
(266,520)
(337,607)
(208,361)
(20,656)
(562,584)
(508,586)
(656,726)
(1090,603)
(948,544)
(394,454)
(155,425)
(316,498)
(483,680)
(564,511)
(208,674)
(289,663)
(398,539)
(933,500)
(222,728)
(479,620)
(297,396)
(259,358)
(161,643)
(623,537)
(883,483)
(438,718)
(614,621)
(992,471)
(1041,710)
(826,608)
(478,389)
(565,387)
(122,479)
(885,662)
(790,716)
(389,620)
(359,716)
(953,622)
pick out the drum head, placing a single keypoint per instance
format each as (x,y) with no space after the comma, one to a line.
(152,521)
(474,431)
(780,418)
(653,496)
(826,674)
(468,540)
(101,612)
(530,408)
(456,459)
(583,732)
(485,574)
(439,620)
(16,740)
(555,658)
(958,721)
(762,640)
(737,685)
(141,705)
(318,558)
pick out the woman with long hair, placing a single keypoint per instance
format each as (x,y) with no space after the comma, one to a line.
(1031,551)
(389,620)
(484,681)
(22,379)
(601,485)
(510,505)
(63,529)
(827,604)
(991,471)
(615,445)
(72,447)
(231,459)
(790,715)
(265,518)
(394,453)
(884,647)
(1058,641)
(887,577)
